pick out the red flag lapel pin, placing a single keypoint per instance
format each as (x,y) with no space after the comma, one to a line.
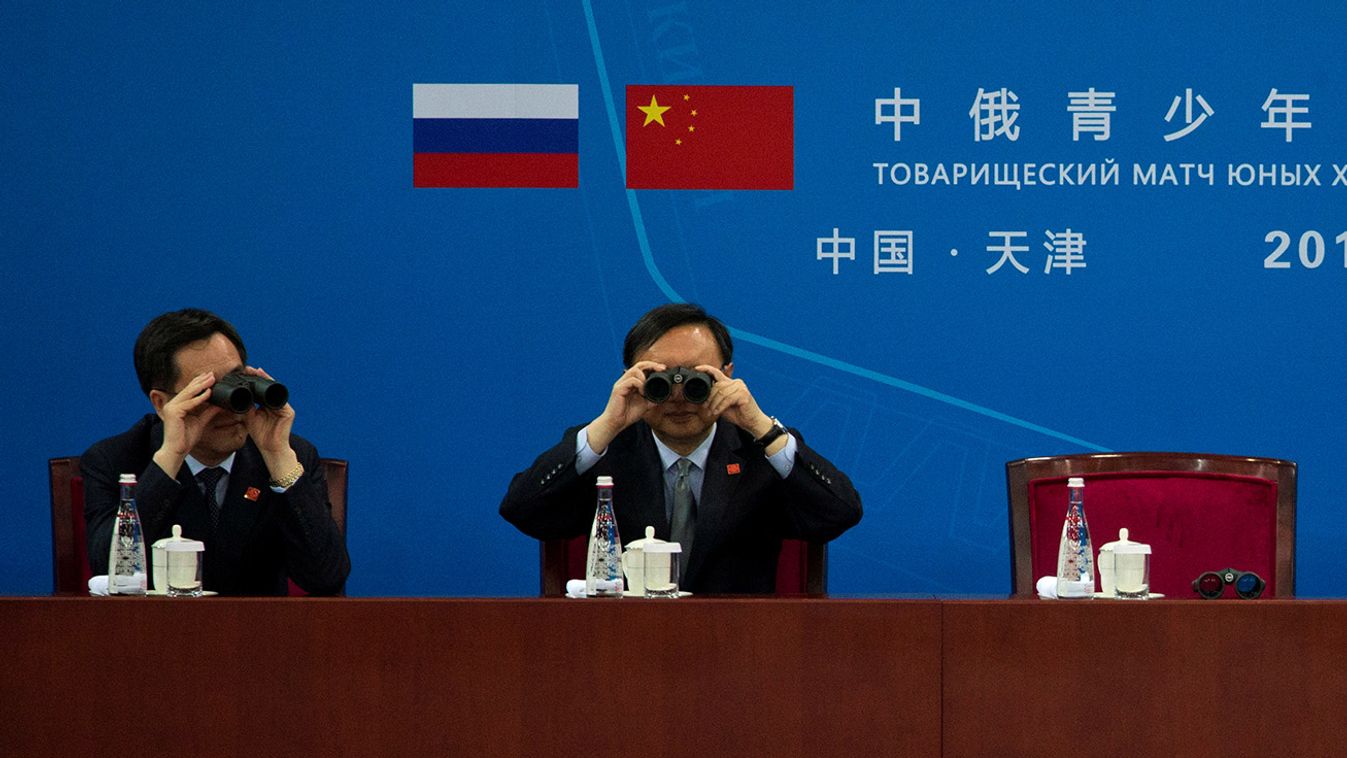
(732,468)
(252,494)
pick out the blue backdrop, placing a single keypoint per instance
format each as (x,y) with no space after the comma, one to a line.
(255,159)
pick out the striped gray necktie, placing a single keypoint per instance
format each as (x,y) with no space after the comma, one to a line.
(684,512)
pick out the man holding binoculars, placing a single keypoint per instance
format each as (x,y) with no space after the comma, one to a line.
(217,457)
(692,455)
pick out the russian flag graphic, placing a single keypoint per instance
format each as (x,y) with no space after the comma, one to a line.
(496,135)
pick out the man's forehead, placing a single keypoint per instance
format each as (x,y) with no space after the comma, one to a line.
(214,352)
(688,338)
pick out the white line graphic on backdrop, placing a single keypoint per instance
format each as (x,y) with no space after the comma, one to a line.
(643,240)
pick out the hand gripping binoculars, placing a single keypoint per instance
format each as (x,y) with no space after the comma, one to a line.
(237,393)
(659,385)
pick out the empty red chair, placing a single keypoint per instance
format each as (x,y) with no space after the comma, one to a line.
(1198,512)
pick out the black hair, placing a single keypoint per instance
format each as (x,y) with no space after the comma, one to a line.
(659,320)
(162,338)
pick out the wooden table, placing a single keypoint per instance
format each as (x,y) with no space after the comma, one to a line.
(358,677)
(692,677)
(1173,678)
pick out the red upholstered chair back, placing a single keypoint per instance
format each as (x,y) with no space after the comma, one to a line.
(70,547)
(1198,513)
(801,568)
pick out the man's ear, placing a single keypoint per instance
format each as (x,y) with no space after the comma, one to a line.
(159,398)
(729,369)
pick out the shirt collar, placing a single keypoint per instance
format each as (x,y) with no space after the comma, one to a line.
(197,467)
(668,457)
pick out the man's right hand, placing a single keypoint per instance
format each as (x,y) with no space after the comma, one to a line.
(185,416)
(626,405)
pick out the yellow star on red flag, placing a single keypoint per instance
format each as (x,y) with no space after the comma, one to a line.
(653,112)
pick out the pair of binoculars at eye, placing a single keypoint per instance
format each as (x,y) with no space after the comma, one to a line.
(1211,584)
(238,393)
(659,385)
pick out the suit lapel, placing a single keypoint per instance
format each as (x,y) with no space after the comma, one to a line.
(192,514)
(646,493)
(238,514)
(719,492)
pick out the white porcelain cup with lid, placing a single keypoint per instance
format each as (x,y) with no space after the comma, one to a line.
(1124,568)
(182,561)
(633,562)
(1132,570)
(159,559)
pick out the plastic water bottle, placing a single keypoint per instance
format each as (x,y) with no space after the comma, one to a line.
(126,556)
(603,569)
(1075,555)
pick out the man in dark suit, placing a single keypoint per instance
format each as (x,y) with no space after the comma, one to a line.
(745,480)
(254,493)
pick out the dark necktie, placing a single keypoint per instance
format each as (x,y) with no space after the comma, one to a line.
(210,480)
(684,512)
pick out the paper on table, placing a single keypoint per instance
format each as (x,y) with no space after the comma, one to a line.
(98,585)
(1047,587)
(576,587)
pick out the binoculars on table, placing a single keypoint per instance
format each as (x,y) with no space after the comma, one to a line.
(1211,584)
(238,393)
(659,385)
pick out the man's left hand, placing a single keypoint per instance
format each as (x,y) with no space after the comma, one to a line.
(731,400)
(270,430)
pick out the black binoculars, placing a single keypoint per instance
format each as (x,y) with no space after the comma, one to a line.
(696,384)
(238,393)
(1211,584)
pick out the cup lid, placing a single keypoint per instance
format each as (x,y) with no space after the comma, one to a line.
(1125,545)
(644,541)
(1122,540)
(660,546)
(179,544)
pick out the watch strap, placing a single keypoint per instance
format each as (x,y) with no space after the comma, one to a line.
(777,431)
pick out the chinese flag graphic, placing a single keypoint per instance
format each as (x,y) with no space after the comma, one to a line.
(705,137)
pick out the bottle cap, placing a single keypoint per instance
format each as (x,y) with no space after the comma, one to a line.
(1075,481)
(126,479)
(604,481)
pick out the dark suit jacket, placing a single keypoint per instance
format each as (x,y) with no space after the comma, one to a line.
(744,511)
(259,543)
